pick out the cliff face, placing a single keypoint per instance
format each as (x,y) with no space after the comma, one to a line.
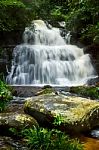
(8,40)
(10,37)
(93,50)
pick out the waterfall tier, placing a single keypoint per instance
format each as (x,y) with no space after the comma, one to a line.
(45,57)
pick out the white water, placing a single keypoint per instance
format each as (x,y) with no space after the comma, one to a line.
(46,58)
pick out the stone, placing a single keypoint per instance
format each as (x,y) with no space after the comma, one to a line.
(93,81)
(8,143)
(15,120)
(78,114)
(93,50)
(29,91)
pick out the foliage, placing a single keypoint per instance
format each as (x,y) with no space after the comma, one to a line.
(56,14)
(58,120)
(45,9)
(92,92)
(15,132)
(13,15)
(5,95)
(41,8)
(44,139)
(83,17)
(2,77)
(91,32)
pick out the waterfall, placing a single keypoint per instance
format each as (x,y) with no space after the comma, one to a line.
(46,57)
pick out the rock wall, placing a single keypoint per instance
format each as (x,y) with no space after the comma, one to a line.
(10,37)
(8,40)
(93,50)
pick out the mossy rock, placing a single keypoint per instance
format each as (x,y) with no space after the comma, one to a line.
(78,114)
(45,90)
(15,120)
(86,91)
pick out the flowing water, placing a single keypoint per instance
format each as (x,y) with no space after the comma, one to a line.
(46,57)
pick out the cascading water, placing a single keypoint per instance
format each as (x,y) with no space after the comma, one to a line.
(46,58)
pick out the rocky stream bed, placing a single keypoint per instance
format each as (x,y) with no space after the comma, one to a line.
(80,116)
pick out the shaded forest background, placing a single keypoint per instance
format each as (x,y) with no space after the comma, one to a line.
(81,16)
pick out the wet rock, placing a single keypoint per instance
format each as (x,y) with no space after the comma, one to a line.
(13,107)
(78,114)
(29,91)
(93,81)
(15,120)
(95,133)
(7,143)
(24,91)
(45,90)
(93,50)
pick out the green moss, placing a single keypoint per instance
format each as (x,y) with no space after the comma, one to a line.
(92,92)
(46,90)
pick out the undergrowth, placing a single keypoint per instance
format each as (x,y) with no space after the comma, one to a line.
(5,95)
(45,139)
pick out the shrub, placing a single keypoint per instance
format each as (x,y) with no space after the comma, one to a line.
(91,32)
(92,92)
(13,15)
(44,139)
(83,18)
(5,95)
(41,8)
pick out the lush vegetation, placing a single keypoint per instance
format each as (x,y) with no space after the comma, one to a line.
(14,15)
(81,16)
(5,95)
(44,139)
(91,92)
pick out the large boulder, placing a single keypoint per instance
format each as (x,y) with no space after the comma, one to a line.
(78,114)
(15,120)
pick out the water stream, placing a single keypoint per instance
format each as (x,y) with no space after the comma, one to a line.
(46,57)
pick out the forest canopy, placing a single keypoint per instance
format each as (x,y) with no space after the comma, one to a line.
(81,16)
